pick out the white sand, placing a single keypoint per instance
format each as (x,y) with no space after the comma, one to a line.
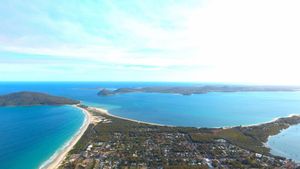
(55,161)
(104,111)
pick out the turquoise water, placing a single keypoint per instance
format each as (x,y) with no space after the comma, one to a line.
(204,110)
(31,135)
(286,143)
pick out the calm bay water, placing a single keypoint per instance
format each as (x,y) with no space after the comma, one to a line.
(204,110)
(286,143)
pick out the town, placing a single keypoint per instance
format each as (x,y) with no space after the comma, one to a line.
(119,143)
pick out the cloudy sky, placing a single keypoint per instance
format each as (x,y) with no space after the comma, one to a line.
(238,41)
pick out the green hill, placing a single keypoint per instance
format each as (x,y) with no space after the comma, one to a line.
(33,98)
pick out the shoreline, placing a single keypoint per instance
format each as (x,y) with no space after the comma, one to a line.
(271,121)
(55,160)
(106,112)
(58,157)
(282,153)
(255,124)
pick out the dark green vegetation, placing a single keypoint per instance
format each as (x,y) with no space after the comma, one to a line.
(188,90)
(251,137)
(119,143)
(33,98)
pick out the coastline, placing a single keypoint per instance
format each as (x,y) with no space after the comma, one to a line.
(55,161)
(57,158)
(278,152)
(256,124)
(271,121)
(106,112)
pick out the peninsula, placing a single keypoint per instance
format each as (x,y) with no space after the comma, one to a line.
(115,142)
(34,98)
(188,90)
(109,141)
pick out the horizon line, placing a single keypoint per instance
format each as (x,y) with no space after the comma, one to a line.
(191,82)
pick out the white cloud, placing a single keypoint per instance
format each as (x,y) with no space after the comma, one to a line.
(237,40)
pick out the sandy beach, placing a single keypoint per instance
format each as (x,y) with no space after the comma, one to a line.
(104,111)
(271,121)
(58,157)
(55,161)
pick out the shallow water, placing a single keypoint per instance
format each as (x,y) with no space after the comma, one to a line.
(286,143)
(30,135)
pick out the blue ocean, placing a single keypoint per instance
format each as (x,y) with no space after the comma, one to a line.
(29,136)
(204,110)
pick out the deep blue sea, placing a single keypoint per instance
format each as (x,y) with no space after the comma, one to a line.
(203,110)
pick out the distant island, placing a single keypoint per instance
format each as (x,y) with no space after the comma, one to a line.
(33,98)
(189,90)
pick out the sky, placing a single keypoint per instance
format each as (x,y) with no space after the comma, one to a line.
(235,41)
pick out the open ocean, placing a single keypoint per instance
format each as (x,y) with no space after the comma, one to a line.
(31,135)
(203,110)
